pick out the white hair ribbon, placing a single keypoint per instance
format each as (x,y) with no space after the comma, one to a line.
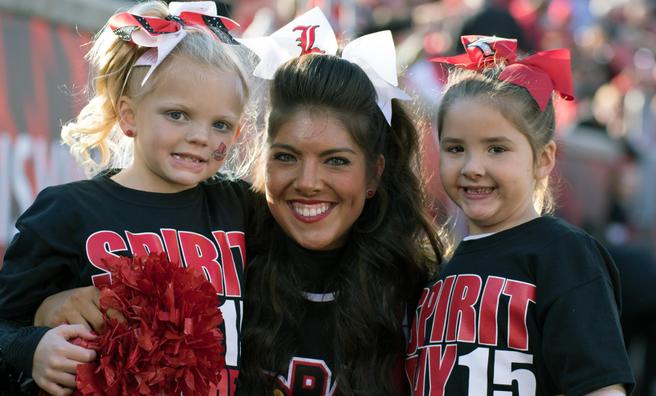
(308,33)
(162,35)
(312,33)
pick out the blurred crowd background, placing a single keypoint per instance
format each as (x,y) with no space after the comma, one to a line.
(606,176)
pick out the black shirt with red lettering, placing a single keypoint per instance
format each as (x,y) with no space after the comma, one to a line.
(311,366)
(532,310)
(63,237)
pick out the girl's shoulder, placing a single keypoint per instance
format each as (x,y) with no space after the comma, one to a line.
(559,234)
(225,187)
(532,236)
(223,181)
(60,207)
(233,192)
(572,258)
(64,195)
(546,244)
(559,226)
(546,233)
(553,241)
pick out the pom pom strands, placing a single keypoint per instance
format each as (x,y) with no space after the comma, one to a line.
(169,344)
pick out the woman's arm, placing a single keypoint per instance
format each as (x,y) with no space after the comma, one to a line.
(75,306)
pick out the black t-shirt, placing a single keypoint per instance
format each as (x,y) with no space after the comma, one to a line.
(70,228)
(311,369)
(532,310)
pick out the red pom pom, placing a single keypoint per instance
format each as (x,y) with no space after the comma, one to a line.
(169,343)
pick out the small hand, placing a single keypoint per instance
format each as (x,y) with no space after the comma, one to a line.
(55,358)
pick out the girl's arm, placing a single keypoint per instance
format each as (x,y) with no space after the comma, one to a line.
(586,286)
(17,345)
(42,259)
(613,390)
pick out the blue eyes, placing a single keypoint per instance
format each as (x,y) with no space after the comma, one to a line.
(176,115)
(337,161)
(283,157)
(222,126)
(332,161)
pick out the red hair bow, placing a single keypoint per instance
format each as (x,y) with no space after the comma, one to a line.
(541,73)
(124,24)
(163,34)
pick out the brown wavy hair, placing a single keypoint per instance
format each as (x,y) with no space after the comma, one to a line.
(392,248)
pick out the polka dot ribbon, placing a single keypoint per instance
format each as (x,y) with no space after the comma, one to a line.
(541,73)
(163,34)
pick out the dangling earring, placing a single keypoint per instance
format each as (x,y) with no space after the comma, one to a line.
(370,193)
(220,153)
(128,133)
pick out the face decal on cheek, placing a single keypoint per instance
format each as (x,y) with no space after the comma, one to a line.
(220,153)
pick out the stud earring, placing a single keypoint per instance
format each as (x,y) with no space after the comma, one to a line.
(128,133)
(370,193)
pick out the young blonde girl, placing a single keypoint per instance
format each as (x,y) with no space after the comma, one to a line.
(528,304)
(170,86)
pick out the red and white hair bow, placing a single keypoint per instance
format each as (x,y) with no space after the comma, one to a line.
(312,33)
(541,73)
(163,34)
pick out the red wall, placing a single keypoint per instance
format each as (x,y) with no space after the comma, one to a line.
(42,74)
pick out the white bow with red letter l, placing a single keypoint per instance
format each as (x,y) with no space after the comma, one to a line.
(311,33)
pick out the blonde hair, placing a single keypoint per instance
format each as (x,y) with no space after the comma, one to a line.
(94,137)
(515,104)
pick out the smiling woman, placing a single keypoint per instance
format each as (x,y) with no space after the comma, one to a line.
(317,180)
(344,242)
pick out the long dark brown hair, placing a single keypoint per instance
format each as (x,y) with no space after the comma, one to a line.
(390,252)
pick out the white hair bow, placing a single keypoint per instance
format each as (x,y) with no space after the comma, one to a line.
(163,34)
(312,33)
